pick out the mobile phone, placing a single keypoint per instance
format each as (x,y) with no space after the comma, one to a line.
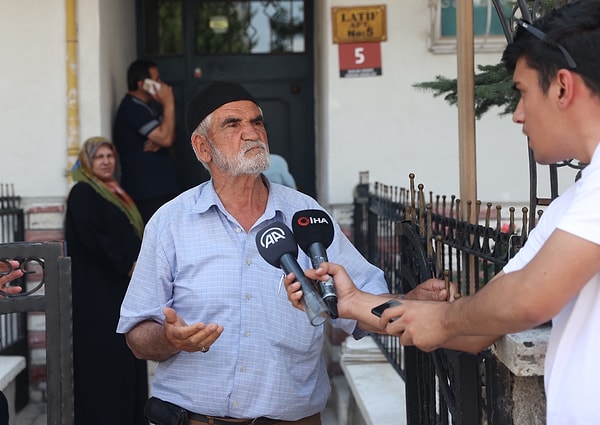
(151,86)
(378,311)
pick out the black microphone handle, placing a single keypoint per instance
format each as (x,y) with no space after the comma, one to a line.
(313,304)
(318,254)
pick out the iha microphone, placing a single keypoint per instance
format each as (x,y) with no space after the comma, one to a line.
(276,244)
(313,230)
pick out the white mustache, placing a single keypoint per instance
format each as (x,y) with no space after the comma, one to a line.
(251,144)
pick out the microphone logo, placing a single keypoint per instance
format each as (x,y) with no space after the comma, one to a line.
(307,221)
(271,237)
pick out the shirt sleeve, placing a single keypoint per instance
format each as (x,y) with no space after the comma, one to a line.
(542,231)
(142,301)
(582,218)
(144,119)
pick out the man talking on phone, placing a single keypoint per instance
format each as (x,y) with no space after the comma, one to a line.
(144,131)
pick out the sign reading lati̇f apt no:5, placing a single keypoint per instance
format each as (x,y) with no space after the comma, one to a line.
(359,24)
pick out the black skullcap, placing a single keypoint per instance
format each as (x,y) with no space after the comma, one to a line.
(212,97)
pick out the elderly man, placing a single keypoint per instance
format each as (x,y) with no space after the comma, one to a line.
(205,305)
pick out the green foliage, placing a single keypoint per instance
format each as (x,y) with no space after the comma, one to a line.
(493,87)
(283,30)
(169,27)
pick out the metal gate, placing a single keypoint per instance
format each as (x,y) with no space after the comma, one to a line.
(13,327)
(47,289)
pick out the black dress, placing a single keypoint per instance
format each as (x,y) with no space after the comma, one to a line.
(110,384)
(3,409)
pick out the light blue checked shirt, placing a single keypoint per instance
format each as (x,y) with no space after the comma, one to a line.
(197,259)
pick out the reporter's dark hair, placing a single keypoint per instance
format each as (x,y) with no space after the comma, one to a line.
(576,27)
(139,70)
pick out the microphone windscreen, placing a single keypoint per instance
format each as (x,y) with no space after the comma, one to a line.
(274,241)
(312,226)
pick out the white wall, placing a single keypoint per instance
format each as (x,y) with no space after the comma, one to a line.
(118,50)
(385,126)
(107,47)
(33,109)
(33,99)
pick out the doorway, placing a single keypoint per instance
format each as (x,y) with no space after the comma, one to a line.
(267,46)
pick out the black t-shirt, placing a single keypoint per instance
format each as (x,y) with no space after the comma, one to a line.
(144,175)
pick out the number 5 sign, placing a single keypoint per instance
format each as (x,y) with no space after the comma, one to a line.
(359,59)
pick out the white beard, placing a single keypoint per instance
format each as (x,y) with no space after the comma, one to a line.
(240,164)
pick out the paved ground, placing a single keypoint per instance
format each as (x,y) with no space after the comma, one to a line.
(33,414)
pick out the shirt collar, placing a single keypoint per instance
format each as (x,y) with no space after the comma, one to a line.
(207,198)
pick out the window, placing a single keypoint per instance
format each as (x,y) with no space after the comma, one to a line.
(238,27)
(487,29)
(162,27)
(224,27)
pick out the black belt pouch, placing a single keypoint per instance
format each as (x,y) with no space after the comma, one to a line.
(164,413)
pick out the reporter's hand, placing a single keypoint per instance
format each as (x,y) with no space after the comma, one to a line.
(418,323)
(190,338)
(344,286)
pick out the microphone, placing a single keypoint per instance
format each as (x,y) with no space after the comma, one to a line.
(313,230)
(276,244)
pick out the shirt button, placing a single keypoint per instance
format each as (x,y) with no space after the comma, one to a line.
(248,296)
(236,404)
(238,230)
(249,261)
(247,333)
(243,369)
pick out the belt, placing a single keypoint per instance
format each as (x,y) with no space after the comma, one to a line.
(197,419)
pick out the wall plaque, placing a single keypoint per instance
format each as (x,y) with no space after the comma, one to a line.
(359,24)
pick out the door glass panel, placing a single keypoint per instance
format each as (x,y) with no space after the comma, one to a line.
(162,27)
(249,27)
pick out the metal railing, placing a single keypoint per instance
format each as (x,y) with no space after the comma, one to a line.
(48,290)
(413,239)
(13,326)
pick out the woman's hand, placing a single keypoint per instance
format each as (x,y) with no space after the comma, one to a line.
(9,277)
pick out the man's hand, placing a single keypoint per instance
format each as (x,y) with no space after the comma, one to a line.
(433,290)
(164,96)
(190,338)
(150,146)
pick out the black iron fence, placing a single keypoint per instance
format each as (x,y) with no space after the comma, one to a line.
(12,223)
(414,236)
